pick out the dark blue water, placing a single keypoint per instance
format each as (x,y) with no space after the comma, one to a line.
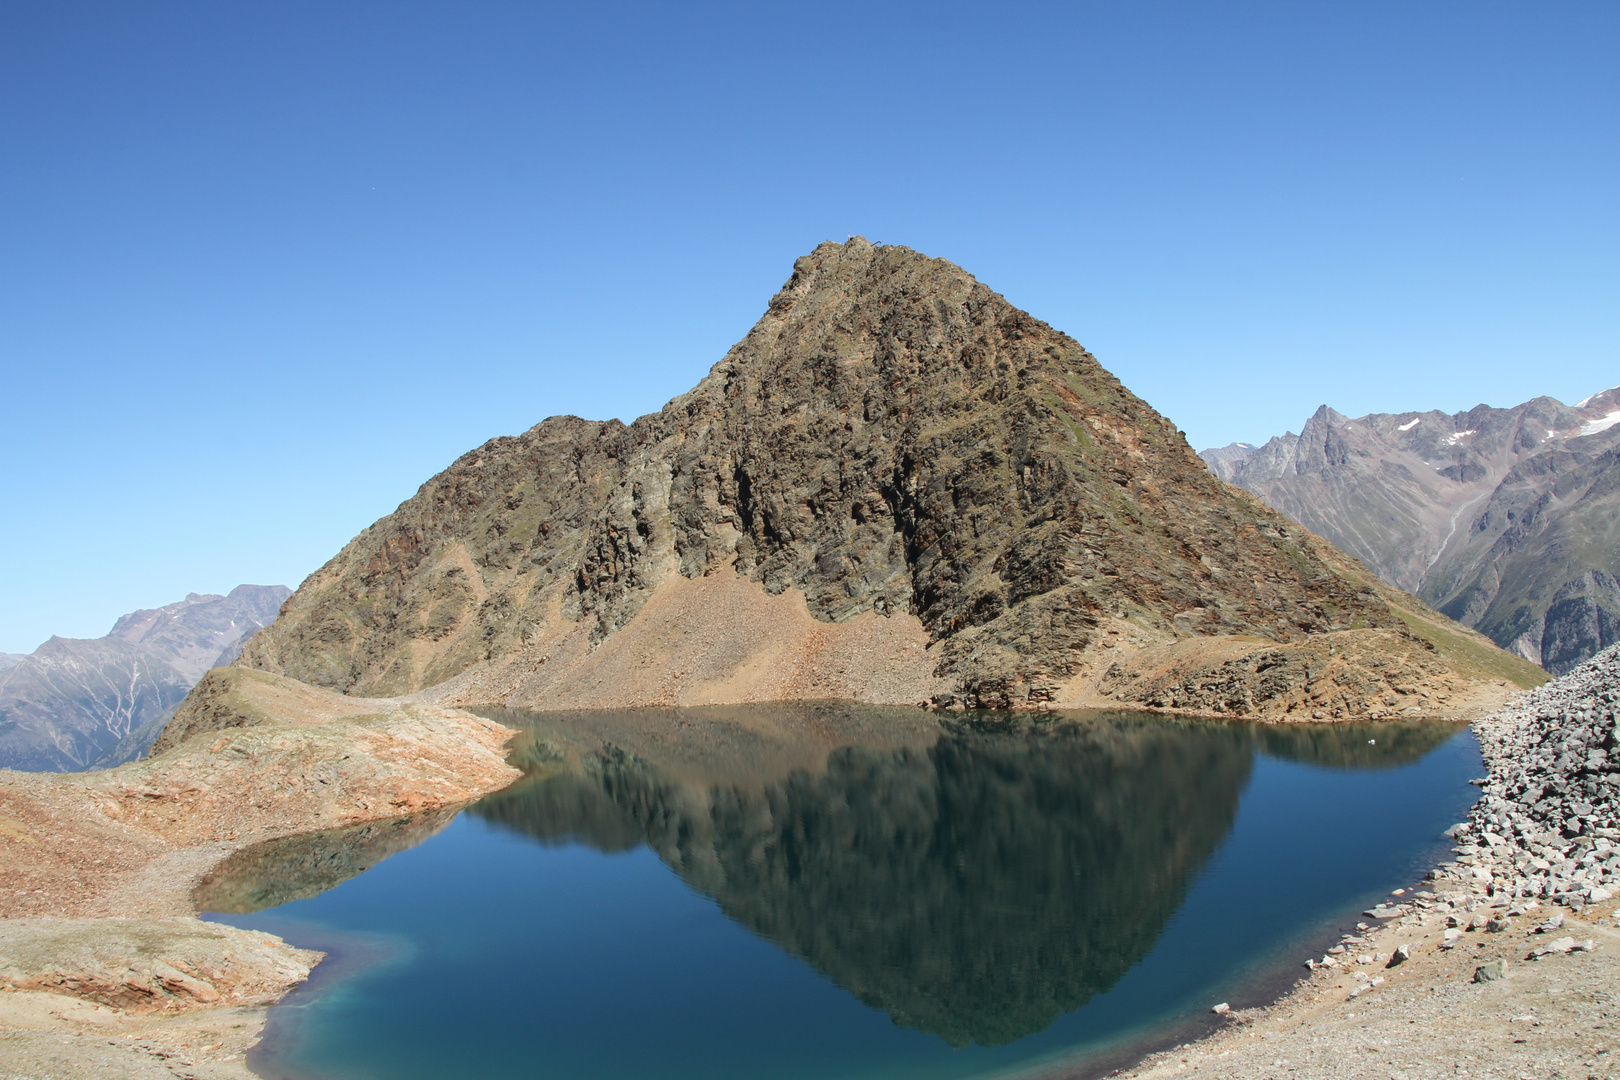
(960,902)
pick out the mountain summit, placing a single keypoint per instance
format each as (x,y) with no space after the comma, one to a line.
(1504,519)
(896,488)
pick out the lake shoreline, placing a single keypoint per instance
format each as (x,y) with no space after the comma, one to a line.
(1509,961)
(634,735)
(105,968)
(213,1039)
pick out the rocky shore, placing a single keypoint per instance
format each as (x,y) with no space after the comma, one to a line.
(1506,961)
(1546,826)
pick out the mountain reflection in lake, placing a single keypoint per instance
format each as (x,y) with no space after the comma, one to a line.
(974,879)
(977,889)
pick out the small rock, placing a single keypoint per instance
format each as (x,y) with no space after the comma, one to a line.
(1400,956)
(1496,926)
(1222,1009)
(1557,945)
(1490,972)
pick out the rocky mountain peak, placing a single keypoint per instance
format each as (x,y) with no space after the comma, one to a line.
(891,441)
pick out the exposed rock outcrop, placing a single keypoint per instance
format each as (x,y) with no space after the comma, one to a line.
(936,484)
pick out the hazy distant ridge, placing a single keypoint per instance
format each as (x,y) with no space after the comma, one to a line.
(81,703)
(1508,520)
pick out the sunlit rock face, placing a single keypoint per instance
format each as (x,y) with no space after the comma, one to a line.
(892,441)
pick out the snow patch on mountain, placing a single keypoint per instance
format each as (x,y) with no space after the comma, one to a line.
(1602,424)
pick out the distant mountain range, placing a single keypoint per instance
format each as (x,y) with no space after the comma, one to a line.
(1508,520)
(76,703)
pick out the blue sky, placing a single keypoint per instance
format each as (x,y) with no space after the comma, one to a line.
(264,268)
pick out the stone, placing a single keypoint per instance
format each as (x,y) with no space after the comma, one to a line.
(1401,955)
(1491,971)
(1222,1009)
(1554,947)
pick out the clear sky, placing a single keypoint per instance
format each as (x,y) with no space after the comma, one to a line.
(265,267)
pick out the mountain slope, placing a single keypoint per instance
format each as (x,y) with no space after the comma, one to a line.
(896,487)
(76,704)
(71,699)
(1505,519)
(193,633)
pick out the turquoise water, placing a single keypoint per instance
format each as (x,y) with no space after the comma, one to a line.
(826,891)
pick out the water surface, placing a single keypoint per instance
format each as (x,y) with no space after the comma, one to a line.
(816,891)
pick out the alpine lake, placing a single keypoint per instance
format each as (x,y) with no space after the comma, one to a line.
(827,890)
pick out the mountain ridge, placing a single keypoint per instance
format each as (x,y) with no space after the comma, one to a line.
(1503,519)
(893,452)
(82,703)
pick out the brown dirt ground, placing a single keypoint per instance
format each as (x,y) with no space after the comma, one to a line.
(723,640)
(715,640)
(104,968)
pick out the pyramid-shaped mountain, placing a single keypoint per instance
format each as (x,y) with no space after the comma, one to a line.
(897,488)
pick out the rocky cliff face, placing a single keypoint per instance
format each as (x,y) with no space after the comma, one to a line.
(90,703)
(1507,520)
(895,461)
